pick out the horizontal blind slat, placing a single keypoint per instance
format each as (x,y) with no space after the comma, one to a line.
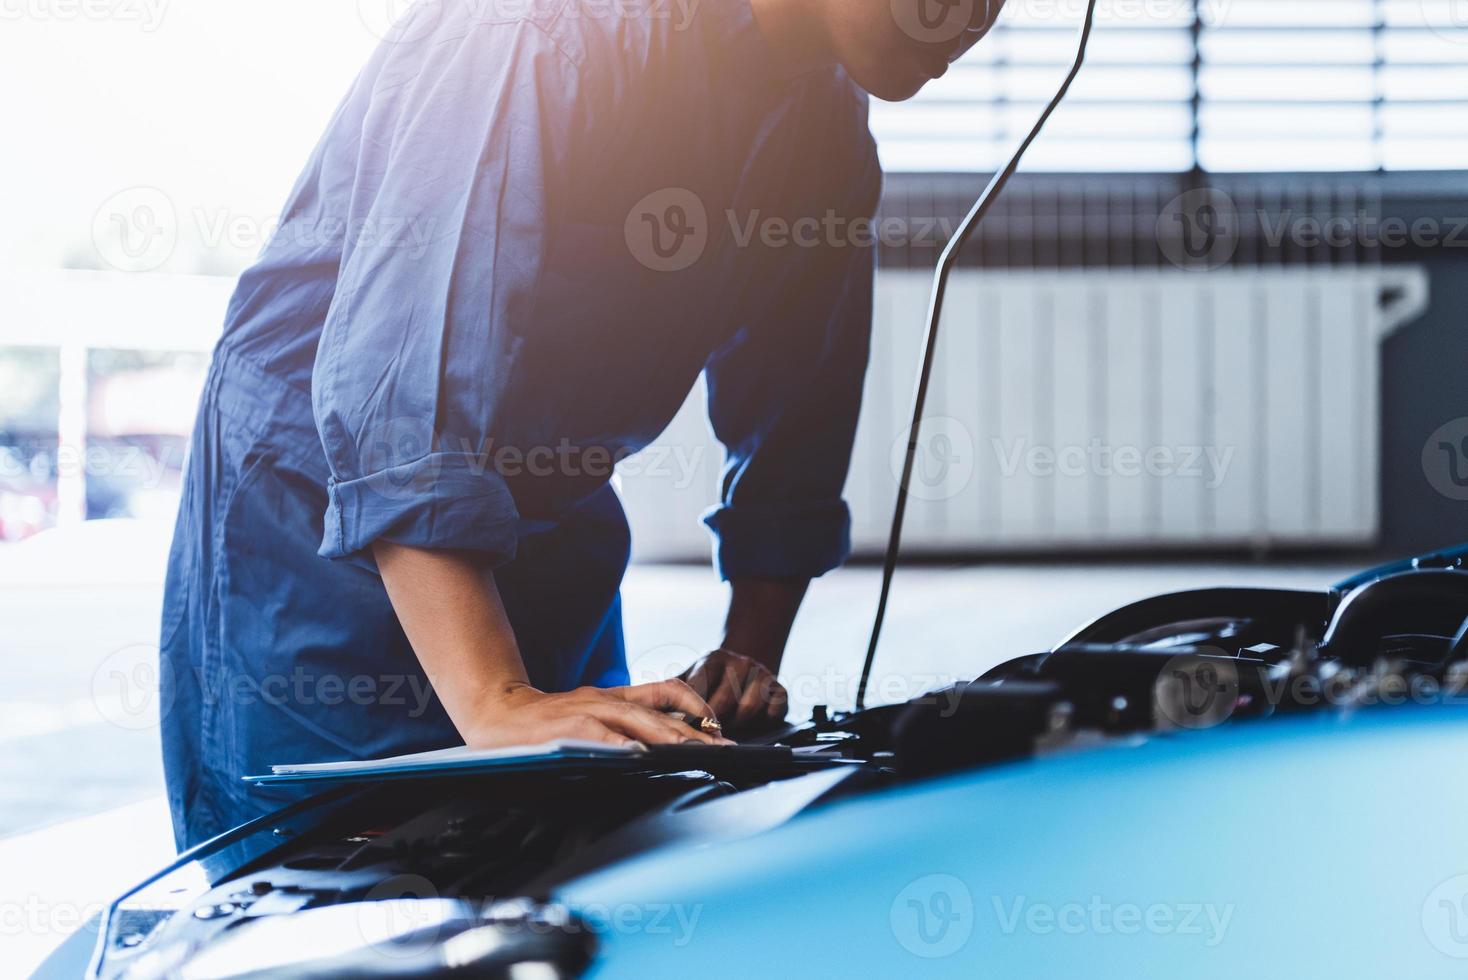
(1309,85)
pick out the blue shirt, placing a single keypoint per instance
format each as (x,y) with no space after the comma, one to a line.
(528,228)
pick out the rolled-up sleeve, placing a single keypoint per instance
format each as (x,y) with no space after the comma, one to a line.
(784,397)
(464,140)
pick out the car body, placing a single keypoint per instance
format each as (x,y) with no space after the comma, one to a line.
(1225,782)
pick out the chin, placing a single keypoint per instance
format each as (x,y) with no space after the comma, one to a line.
(889,85)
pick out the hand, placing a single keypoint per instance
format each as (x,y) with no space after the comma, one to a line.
(741,691)
(622,716)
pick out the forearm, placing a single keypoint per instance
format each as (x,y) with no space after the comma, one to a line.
(761,614)
(451,611)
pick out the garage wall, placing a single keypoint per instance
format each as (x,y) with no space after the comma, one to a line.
(1269,312)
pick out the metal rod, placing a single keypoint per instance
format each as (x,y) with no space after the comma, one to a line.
(946,263)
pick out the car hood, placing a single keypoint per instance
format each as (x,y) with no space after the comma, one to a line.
(1201,854)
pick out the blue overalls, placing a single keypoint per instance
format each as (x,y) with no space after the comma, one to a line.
(518,244)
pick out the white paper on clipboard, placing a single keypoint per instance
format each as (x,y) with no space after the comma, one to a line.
(447,760)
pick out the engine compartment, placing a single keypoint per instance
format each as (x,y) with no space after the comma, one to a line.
(442,871)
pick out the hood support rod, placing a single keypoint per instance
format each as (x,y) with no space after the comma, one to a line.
(946,263)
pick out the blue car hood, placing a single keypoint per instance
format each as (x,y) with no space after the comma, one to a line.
(1272,848)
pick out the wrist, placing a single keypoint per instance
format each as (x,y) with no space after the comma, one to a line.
(761,614)
(494,708)
(510,691)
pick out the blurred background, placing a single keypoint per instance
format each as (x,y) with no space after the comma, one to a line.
(1214,333)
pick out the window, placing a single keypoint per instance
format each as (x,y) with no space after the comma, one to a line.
(1228,85)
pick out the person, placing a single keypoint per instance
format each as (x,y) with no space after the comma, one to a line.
(528,229)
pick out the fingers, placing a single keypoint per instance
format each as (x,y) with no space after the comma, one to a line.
(761,691)
(739,691)
(745,690)
(589,729)
(724,699)
(650,727)
(779,705)
(669,695)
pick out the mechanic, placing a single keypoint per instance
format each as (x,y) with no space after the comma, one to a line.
(527,230)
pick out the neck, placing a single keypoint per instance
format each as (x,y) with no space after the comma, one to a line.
(795,31)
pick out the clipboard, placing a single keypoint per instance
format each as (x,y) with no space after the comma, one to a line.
(564,756)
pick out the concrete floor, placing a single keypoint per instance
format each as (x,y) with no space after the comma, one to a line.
(79,768)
